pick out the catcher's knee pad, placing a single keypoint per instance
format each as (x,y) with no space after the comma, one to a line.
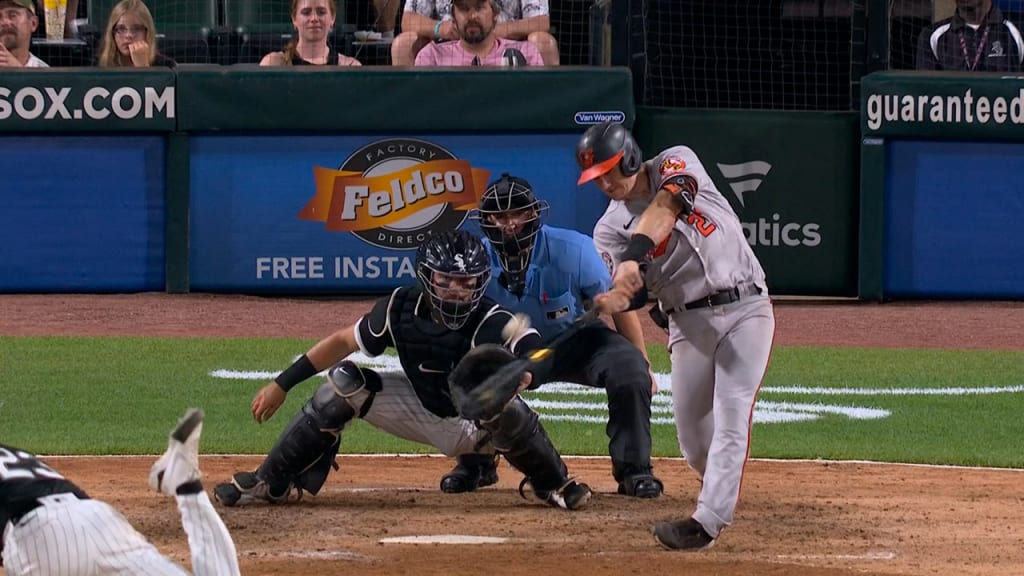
(328,409)
(518,434)
(353,385)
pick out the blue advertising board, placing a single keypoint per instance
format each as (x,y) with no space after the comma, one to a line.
(82,213)
(346,213)
(953,219)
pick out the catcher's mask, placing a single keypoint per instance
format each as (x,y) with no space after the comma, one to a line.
(602,147)
(453,270)
(511,216)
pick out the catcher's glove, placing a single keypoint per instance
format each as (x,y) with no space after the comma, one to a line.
(473,399)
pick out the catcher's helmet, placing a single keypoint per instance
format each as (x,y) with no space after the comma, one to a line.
(602,147)
(458,254)
(513,245)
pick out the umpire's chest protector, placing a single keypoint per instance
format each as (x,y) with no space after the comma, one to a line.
(429,351)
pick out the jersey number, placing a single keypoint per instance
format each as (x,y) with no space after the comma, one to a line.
(25,466)
(704,226)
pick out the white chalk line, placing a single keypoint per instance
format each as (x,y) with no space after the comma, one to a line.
(865,556)
(669,459)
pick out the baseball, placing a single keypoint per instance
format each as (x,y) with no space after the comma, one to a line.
(515,327)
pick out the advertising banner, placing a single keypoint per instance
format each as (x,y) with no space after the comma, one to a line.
(346,213)
(82,213)
(952,220)
(87,100)
(937,105)
(792,179)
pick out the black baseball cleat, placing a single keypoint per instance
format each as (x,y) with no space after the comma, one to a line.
(572,495)
(246,488)
(641,486)
(682,535)
(471,471)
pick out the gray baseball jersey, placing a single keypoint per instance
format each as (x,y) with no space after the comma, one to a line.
(510,9)
(704,254)
(719,351)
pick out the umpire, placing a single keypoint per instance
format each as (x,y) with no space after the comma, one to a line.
(548,273)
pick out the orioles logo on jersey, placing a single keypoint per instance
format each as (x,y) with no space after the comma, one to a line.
(586,158)
(672,164)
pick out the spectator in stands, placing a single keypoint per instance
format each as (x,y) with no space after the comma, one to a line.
(977,38)
(17,22)
(313,21)
(130,38)
(478,45)
(424,21)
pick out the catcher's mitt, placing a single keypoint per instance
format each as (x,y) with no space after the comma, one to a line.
(484,381)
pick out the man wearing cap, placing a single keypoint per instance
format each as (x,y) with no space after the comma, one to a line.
(475,22)
(17,23)
(669,230)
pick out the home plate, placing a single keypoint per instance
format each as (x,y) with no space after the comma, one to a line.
(444,539)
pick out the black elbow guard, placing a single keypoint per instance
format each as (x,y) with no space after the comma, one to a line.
(683,188)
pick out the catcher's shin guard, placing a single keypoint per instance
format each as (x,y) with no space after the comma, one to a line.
(518,434)
(303,454)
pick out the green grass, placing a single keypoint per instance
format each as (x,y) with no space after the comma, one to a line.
(61,395)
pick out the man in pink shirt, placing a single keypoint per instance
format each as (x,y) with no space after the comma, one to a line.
(477,45)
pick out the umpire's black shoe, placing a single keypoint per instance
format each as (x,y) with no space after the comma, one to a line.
(471,471)
(682,535)
(641,486)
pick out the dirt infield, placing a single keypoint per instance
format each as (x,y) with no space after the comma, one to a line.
(795,518)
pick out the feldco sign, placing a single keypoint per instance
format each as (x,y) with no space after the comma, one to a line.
(393,193)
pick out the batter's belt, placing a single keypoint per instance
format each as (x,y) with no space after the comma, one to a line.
(721,297)
(20,511)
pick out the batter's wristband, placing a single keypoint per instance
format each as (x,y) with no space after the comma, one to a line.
(300,370)
(638,248)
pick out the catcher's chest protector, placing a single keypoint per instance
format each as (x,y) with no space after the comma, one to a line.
(429,351)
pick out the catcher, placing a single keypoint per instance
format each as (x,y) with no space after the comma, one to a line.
(547,274)
(432,324)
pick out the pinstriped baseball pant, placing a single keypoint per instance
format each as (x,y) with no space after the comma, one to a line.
(397,410)
(66,536)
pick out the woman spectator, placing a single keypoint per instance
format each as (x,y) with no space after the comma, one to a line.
(130,38)
(313,21)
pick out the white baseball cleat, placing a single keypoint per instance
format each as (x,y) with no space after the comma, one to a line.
(180,463)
